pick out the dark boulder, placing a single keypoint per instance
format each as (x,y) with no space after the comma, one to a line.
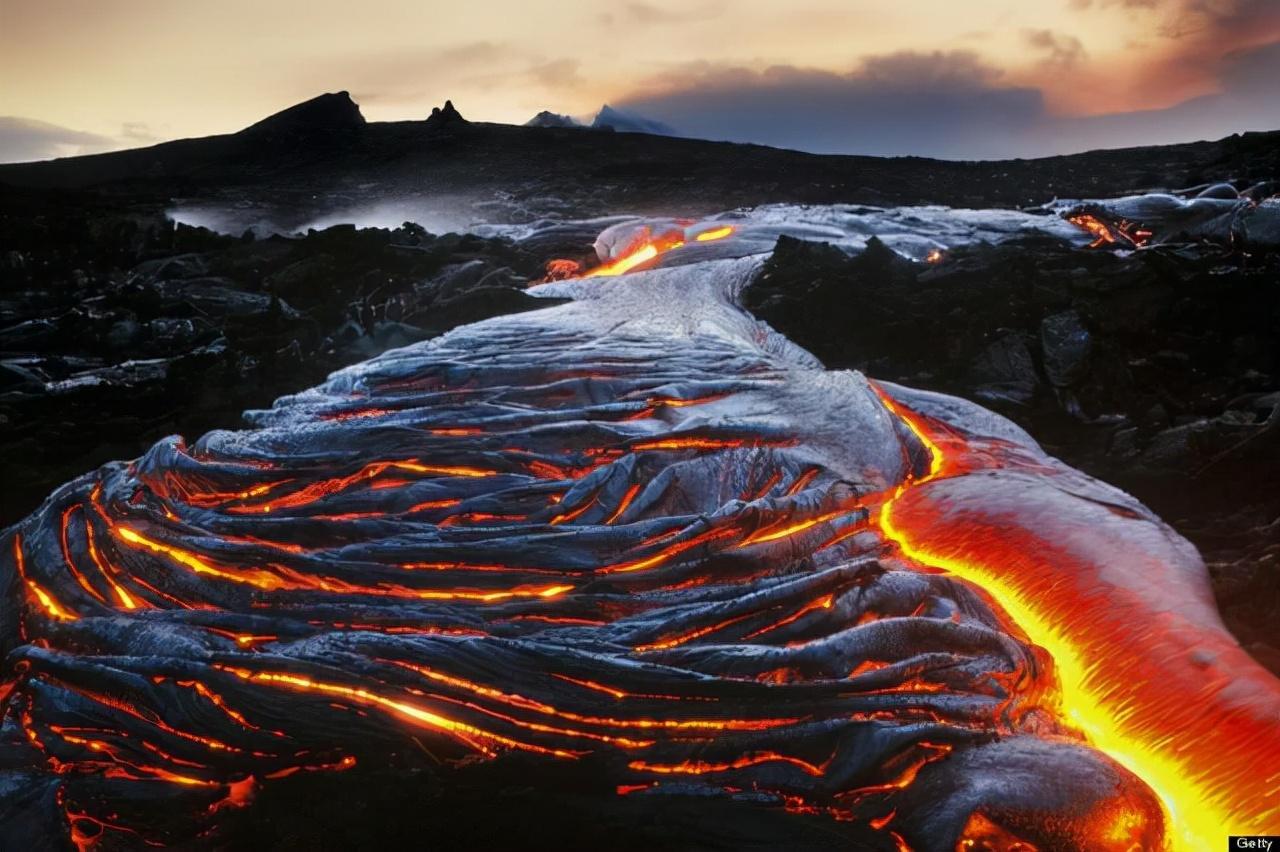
(1005,371)
(1066,345)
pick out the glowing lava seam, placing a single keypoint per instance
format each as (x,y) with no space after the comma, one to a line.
(1199,813)
(649,250)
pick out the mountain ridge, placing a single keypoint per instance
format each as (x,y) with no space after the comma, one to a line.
(322,154)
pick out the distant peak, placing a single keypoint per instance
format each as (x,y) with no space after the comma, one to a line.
(547,118)
(445,116)
(333,111)
(629,122)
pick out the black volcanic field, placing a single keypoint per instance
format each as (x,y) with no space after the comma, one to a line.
(118,327)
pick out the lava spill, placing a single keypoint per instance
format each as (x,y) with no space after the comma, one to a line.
(644,244)
(1199,727)
(643,538)
(1115,231)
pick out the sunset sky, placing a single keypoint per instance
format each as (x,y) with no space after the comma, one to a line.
(980,78)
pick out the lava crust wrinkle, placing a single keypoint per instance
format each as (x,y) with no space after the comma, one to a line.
(641,540)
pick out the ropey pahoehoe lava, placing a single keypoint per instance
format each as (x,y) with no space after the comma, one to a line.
(641,536)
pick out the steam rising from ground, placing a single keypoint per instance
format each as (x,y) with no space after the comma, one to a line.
(913,231)
(437,214)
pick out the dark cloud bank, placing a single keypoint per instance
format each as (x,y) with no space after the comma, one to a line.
(24,139)
(947,105)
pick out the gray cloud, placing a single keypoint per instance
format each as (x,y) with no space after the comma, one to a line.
(1222,17)
(909,69)
(1255,71)
(23,139)
(937,104)
(1200,19)
(949,105)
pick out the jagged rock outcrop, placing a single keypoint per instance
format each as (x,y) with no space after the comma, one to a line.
(446,116)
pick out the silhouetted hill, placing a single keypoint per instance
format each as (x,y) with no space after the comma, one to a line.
(547,118)
(323,114)
(304,161)
(628,122)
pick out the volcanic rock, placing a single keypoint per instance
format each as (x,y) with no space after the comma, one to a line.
(120,335)
(323,114)
(1005,371)
(546,118)
(445,116)
(1066,345)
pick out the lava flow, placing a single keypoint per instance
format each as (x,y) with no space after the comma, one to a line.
(643,244)
(646,540)
(1116,231)
(1172,697)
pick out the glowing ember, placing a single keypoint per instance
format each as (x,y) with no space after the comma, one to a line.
(560,269)
(1116,231)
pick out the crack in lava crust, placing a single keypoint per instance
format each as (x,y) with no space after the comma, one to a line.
(641,536)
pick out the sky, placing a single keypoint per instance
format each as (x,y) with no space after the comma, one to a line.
(977,79)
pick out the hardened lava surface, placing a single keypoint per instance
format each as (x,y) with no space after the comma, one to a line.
(637,546)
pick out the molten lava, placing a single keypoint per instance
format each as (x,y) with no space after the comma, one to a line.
(1115,231)
(653,544)
(1175,701)
(644,248)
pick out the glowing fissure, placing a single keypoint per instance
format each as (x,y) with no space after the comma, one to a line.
(1121,232)
(415,714)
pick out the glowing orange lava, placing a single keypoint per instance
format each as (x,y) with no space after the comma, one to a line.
(1104,234)
(647,250)
(714,234)
(467,734)
(46,601)
(1172,698)
(699,767)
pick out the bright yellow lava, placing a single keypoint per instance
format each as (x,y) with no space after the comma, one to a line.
(1198,819)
